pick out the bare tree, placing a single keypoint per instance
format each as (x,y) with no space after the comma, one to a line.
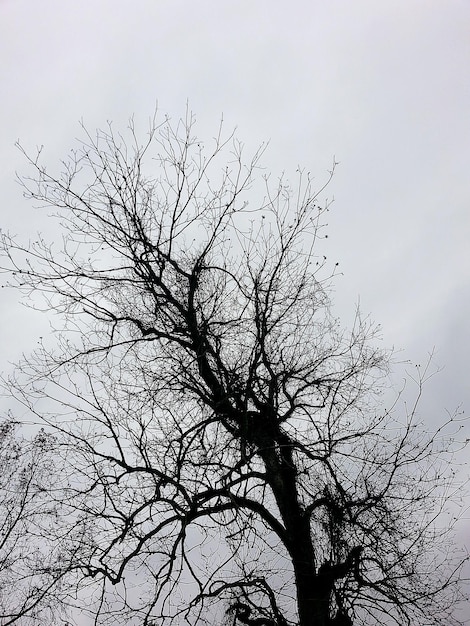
(229,455)
(28,572)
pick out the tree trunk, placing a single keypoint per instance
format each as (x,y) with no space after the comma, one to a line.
(313,591)
(312,587)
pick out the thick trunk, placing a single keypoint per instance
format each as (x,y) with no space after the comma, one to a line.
(313,588)
(313,591)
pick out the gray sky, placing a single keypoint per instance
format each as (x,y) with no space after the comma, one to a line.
(384,87)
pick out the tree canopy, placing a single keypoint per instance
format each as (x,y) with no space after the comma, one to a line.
(226,452)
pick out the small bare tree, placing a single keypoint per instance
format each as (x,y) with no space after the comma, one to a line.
(228,455)
(28,573)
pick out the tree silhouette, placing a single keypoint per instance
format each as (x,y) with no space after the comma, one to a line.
(227,453)
(28,572)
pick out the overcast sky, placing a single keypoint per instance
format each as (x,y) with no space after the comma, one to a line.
(381,86)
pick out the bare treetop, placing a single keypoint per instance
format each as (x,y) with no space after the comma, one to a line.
(227,452)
